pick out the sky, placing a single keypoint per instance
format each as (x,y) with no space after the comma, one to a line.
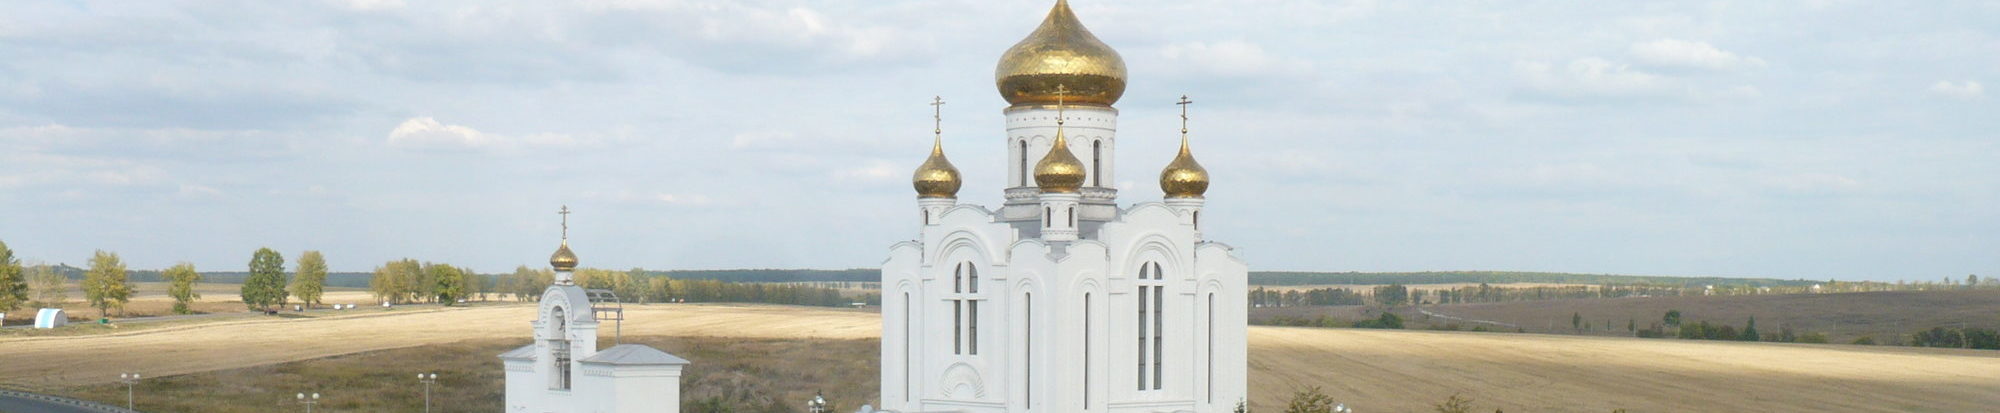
(1817,139)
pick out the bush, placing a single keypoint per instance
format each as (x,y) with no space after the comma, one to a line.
(1310,400)
(1386,321)
(1864,340)
(1819,338)
(1454,404)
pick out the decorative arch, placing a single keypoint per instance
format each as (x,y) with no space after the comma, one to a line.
(961,381)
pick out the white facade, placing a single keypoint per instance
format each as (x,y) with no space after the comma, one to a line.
(564,372)
(1062,302)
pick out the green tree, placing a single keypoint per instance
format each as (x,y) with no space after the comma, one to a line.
(1672,319)
(265,286)
(476,285)
(392,279)
(1310,400)
(1576,321)
(105,285)
(449,280)
(310,284)
(1749,331)
(13,280)
(180,286)
(51,288)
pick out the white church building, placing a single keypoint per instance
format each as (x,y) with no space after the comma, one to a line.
(564,372)
(1062,300)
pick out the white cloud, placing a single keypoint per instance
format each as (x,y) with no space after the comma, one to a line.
(425,131)
(198,191)
(373,4)
(876,170)
(1683,53)
(1589,76)
(1229,58)
(1966,90)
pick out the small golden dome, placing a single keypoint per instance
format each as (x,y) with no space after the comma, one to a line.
(937,178)
(1060,171)
(563,260)
(1060,52)
(1184,178)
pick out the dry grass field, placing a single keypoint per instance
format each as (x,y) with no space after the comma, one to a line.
(1842,317)
(1374,370)
(150,299)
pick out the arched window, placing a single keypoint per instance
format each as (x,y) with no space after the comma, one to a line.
(908,386)
(1086,352)
(1152,299)
(965,309)
(1097,163)
(559,350)
(1028,348)
(1211,348)
(1024,162)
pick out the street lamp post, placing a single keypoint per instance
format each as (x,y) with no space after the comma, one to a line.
(428,380)
(129,379)
(309,401)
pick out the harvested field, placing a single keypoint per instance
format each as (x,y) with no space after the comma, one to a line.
(1373,370)
(1882,315)
(50,362)
(150,299)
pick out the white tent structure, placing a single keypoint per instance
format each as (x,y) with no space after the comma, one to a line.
(51,318)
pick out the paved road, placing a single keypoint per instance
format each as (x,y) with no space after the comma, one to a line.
(19,402)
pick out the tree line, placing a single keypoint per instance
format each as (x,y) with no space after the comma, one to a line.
(642,286)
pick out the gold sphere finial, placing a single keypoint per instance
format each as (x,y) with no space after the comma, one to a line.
(1060,52)
(1184,178)
(1060,171)
(937,178)
(563,259)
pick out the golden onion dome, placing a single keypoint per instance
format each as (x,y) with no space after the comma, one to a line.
(563,260)
(1060,53)
(1059,171)
(1184,178)
(937,178)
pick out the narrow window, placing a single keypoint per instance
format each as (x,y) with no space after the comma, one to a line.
(972,327)
(1024,162)
(1097,163)
(1028,348)
(1086,351)
(1142,331)
(972,310)
(559,349)
(1072,217)
(1048,217)
(1211,348)
(957,327)
(908,386)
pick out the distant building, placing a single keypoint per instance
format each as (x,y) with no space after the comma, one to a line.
(564,372)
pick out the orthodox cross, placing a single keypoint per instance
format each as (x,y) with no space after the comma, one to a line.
(565,221)
(1184,105)
(1061,91)
(937,116)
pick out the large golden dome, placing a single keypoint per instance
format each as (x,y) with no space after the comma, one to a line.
(1060,171)
(1061,53)
(563,259)
(1184,178)
(937,178)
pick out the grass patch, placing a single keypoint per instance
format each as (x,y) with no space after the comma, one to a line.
(748,375)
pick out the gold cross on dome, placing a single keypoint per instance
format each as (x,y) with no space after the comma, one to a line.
(565,221)
(937,115)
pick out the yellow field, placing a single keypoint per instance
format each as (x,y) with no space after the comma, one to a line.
(1373,370)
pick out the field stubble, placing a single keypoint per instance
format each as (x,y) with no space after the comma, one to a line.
(1373,370)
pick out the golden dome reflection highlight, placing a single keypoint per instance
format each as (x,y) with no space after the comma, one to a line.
(1060,53)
